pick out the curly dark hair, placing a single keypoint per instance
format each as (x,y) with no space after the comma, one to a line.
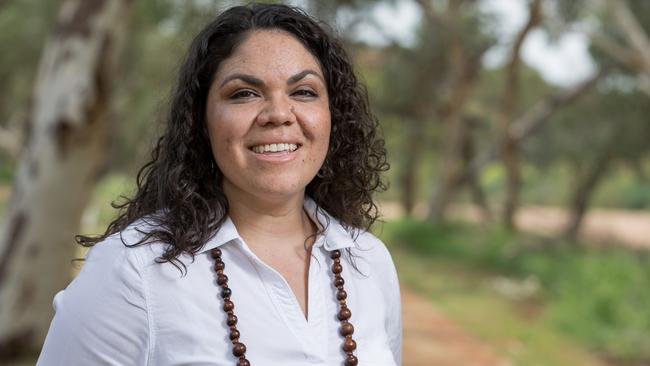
(179,192)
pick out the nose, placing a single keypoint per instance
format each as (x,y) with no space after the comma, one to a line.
(276,111)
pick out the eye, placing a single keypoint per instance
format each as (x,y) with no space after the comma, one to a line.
(305,93)
(243,94)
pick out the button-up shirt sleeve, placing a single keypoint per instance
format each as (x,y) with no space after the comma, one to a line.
(101,317)
(395,316)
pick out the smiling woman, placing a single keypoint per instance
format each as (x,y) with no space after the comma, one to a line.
(258,194)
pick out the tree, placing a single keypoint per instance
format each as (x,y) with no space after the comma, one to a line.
(605,128)
(509,104)
(68,129)
(465,41)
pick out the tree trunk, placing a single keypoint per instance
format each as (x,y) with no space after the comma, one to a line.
(472,180)
(462,77)
(408,175)
(64,156)
(509,145)
(584,189)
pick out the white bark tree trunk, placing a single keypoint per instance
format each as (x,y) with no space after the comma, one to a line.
(64,155)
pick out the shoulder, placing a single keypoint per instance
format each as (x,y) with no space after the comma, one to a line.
(127,248)
(370,247)
(373,260)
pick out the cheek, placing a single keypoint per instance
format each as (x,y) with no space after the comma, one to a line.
(319,124)
(222,130)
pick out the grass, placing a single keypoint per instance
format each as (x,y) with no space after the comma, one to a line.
(537,305)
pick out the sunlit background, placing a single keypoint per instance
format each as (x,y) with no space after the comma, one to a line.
(518,137)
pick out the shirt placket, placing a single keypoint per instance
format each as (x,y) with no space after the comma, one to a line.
(307,333)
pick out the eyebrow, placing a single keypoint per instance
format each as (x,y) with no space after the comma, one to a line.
(250,79)
(302,74)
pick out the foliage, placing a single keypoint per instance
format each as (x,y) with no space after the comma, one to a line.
(100,212)
(598,295)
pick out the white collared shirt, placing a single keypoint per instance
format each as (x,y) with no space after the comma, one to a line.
(125,309)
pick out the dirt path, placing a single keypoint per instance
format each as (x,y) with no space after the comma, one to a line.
(601,226)
(432,339)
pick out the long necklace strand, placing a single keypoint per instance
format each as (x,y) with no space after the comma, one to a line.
(344,314)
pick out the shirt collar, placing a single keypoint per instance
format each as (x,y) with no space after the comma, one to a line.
(333,235)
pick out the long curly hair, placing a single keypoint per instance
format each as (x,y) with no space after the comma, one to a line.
(179,191)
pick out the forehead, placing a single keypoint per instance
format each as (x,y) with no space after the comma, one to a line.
(273,51)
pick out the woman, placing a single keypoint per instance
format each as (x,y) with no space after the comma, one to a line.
(246,241)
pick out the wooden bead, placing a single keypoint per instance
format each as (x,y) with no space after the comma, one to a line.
(216,253)
(335,254)
(228,305)
(347,329)
(238,349)
(341,295)
(339,281)
(234,334)
(349,345)
(219,265)
(351,360)
(222,279)
(337,268)
(231,320)
(226,292)
(344,314)
(244,362)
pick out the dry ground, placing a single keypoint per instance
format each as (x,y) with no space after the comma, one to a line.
(432,339)
(601,226)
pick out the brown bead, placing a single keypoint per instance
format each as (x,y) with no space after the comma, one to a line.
(341,295)
(234,334)
(244,362)
(349,345)
(232,320)
(222,279)
(219,265)
(337,268)
(335,254)
(339,281)
(216,253)
(228,305)
(344,314)
(351,360)
(347,329)
(238,349)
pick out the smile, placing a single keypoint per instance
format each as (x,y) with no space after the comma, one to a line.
(281,147)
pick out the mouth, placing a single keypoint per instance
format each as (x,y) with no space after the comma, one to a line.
(274,148)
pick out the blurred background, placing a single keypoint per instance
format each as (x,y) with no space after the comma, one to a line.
(518,137)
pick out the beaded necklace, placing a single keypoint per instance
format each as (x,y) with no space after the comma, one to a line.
(344,314)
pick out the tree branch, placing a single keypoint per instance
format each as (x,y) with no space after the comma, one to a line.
(633,32)
(528,123)
(523,127)
(622,55)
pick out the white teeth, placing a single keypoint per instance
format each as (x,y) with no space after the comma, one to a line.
(274,148)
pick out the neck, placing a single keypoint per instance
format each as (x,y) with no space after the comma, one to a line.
(281,223)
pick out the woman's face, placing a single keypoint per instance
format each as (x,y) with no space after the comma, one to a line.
(268,117)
